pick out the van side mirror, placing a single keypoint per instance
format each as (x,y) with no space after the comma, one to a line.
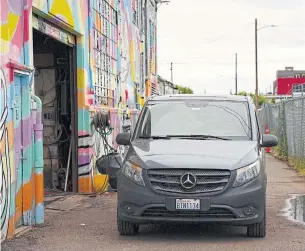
(269,140)
(123,138)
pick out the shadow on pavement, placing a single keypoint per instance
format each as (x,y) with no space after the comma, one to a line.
(191,233)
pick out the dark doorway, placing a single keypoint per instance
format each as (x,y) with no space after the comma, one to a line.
(55,85)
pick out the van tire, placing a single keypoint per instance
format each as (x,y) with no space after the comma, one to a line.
(258,230)
(113,183)
(127,228)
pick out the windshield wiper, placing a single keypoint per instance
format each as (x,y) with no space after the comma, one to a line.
(188,136)
(198,137)
(154,137)
(238,116)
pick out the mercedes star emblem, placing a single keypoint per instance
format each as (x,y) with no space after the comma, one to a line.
(188,180)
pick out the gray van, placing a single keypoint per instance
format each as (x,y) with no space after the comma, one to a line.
(194,159)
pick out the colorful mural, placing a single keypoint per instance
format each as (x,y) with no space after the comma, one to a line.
(110,50)
(18,201)
(10,19)
(109,68)
(152,47)
(5,170)
(130,50)
(120,120)
(115,73)
(61,10)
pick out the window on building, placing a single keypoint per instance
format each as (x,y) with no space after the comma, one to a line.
(152,47)
(136,9)
(105,37)
(299,88)
(153,55)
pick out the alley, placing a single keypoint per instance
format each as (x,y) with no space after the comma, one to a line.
(91,225)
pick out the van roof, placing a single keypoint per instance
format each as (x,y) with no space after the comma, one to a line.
(195,96)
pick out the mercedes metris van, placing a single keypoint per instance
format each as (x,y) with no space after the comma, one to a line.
(194,159)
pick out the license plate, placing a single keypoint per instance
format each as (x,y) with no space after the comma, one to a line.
(187,204)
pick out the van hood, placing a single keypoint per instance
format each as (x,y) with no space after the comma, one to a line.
(185,153)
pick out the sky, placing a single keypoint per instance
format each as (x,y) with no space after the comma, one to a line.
(201,38)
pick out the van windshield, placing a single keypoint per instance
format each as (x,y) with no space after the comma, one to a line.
(226,119)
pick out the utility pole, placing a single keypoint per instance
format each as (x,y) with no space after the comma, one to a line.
(235,73)
(172,80)
(256,67)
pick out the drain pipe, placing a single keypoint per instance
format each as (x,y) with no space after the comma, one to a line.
(38,161)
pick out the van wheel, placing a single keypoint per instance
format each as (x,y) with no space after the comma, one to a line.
(127,228)
(258,230)
(113,183)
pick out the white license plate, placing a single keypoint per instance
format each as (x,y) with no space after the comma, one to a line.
(187,204)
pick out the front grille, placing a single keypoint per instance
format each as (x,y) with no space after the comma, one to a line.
(208,181)
(212,213)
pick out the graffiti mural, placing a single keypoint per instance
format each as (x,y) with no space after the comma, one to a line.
(5,168)
(114,74)
(125,68)
(60,9)
(152,47)
(16,159)
(85,155)
(130,50)
(109,67)
(91,146)
(10,49)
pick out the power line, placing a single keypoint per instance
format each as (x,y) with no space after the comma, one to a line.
(214,38)
(227,62)
(223,36)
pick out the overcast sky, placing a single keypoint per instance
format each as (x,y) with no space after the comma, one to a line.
(201,38)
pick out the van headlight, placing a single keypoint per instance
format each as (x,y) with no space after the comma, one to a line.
(133,172)
(247,173)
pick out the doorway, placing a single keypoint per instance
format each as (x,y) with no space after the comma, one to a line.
(55,66)
(19,139)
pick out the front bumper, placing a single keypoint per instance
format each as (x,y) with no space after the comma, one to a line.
(143,205)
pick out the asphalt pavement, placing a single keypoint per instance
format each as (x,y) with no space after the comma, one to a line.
(89,223)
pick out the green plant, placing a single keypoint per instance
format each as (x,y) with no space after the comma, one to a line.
(299,164)
(184,90)
(261,98)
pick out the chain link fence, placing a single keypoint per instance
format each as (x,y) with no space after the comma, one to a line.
(286,120)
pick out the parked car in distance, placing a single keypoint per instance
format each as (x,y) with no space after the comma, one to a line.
(194,159)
